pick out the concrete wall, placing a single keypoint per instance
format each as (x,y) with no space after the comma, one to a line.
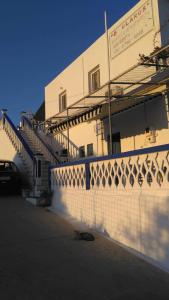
(7,151)
(74,79)
(137,219)
(128,201)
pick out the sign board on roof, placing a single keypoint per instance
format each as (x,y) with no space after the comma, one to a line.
(132,29)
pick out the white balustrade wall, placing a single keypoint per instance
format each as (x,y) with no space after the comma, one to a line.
(126,198)
(19,147)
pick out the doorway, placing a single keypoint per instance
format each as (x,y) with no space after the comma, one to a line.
(116,143)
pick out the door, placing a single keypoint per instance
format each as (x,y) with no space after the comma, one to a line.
(116,143)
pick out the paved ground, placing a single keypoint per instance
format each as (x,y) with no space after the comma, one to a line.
(39,259)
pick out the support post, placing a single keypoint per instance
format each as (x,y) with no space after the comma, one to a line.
(109,84)
(87,171)
(68,156)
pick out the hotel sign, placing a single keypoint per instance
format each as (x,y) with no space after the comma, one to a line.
(131,29)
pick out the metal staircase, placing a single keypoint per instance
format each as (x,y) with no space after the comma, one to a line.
(37,151)
(54,148)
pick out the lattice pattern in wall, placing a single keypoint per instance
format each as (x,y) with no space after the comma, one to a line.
(131,172)
(70,176)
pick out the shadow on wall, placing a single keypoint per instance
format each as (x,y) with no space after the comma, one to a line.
(139,118)
(145,230)
(58,203)
(153,229)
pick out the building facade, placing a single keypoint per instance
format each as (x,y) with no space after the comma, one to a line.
(113,99)
(76,101)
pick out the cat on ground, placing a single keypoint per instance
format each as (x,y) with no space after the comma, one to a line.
(83,236)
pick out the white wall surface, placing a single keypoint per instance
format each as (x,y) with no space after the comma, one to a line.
(7,151)
(74,79)
(128,201)
(132,124)
(84,134)
(137,219)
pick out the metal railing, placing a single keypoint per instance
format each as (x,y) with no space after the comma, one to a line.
(39,143)
(63,140)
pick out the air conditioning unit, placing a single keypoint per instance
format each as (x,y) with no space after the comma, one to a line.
(115,91)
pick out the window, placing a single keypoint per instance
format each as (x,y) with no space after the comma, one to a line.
(82,151)
(94,79)
(62,102)
(89,149)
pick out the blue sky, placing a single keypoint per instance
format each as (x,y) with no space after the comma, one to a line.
(39,38)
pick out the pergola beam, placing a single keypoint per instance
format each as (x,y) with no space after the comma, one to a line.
(154,65)
(136,83)
(78,107)
(90,96)
(59,117)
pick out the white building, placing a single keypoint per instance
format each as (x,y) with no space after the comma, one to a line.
(140,32)
(112,99)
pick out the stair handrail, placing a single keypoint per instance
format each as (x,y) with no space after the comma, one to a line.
(18,135)
(70,142)
(39,137)
(63,141)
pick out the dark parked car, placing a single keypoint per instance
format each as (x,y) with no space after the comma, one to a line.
(10,177)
